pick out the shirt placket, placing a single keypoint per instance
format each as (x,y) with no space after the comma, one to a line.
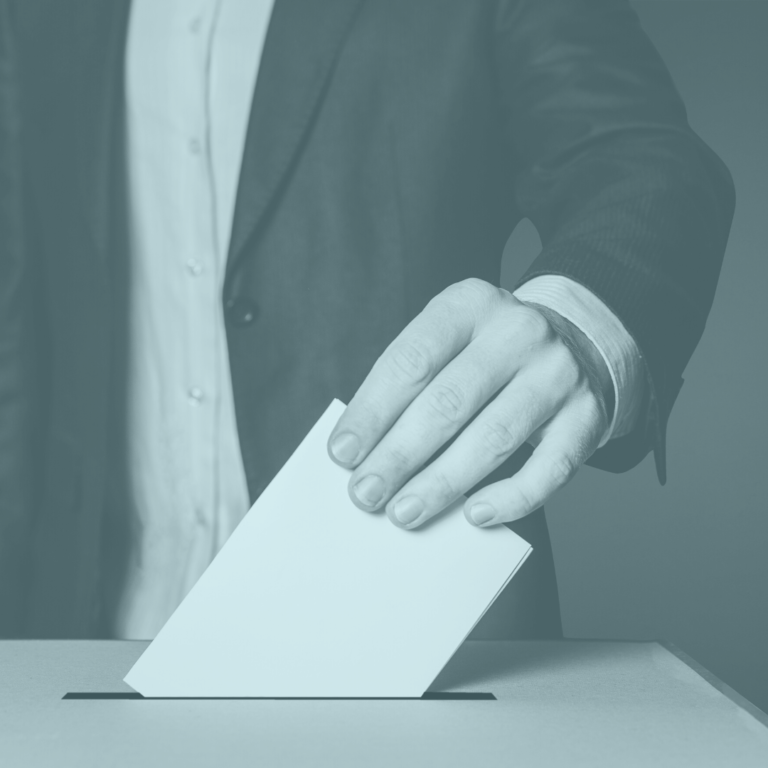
(197,265)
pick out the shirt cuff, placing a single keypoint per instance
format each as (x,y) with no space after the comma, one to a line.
(589,314)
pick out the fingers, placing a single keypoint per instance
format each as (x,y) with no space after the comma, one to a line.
(405,368)
(440,332)
(497,432)
(431,420)
(568,440)
(470,343)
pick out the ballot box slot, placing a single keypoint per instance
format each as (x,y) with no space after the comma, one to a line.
(428,696)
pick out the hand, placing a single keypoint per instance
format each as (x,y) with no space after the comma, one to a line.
(474,351)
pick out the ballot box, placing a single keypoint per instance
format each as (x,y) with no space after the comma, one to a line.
(549,703)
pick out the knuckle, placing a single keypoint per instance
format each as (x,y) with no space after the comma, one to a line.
(562,468)
(410,363)
(533,402)
(447,402)
(593,420)
(498,438)
(569,372)
(445,488)
(478,287)
(474,286)
(471,290)
(400,460)
(534,325)
(562,356)
(594,409)
(522,499)
(369,416)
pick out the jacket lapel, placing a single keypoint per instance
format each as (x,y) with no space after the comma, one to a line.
(99,36)
(300,50)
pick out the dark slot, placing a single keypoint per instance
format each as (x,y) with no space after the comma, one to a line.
(428,696)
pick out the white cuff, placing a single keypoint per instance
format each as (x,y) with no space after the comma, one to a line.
(588,313)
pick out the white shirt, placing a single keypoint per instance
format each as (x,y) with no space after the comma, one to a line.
(191,68)
(190,72)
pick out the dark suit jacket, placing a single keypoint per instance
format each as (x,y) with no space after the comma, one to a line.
(393,146)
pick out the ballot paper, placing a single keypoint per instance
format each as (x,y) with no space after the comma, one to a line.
(313,597)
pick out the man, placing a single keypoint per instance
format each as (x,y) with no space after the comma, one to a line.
(237,211)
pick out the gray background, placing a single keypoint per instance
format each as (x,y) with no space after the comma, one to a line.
(687,562)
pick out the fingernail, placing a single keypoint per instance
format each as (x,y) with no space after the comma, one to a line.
(345,447)
(481,513)
(370,490)
(408,509)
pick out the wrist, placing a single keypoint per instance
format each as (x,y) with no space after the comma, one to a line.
(586,353)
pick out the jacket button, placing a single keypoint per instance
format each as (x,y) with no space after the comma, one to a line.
(240,310)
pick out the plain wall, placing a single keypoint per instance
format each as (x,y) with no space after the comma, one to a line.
(687,562)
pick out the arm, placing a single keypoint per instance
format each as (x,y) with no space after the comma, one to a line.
(631,205)
(623,381)
(628,200)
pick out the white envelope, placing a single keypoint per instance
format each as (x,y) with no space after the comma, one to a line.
(312,597)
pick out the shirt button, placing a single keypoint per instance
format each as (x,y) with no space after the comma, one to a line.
(195,24)
(194,267)
(240,310)
(195,147)
(195,395)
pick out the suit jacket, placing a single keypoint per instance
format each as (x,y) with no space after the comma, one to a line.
(393,146)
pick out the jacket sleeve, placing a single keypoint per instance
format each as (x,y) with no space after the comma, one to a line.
(628,200)
(17,379)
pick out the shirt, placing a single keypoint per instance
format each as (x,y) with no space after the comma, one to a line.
(191,68)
